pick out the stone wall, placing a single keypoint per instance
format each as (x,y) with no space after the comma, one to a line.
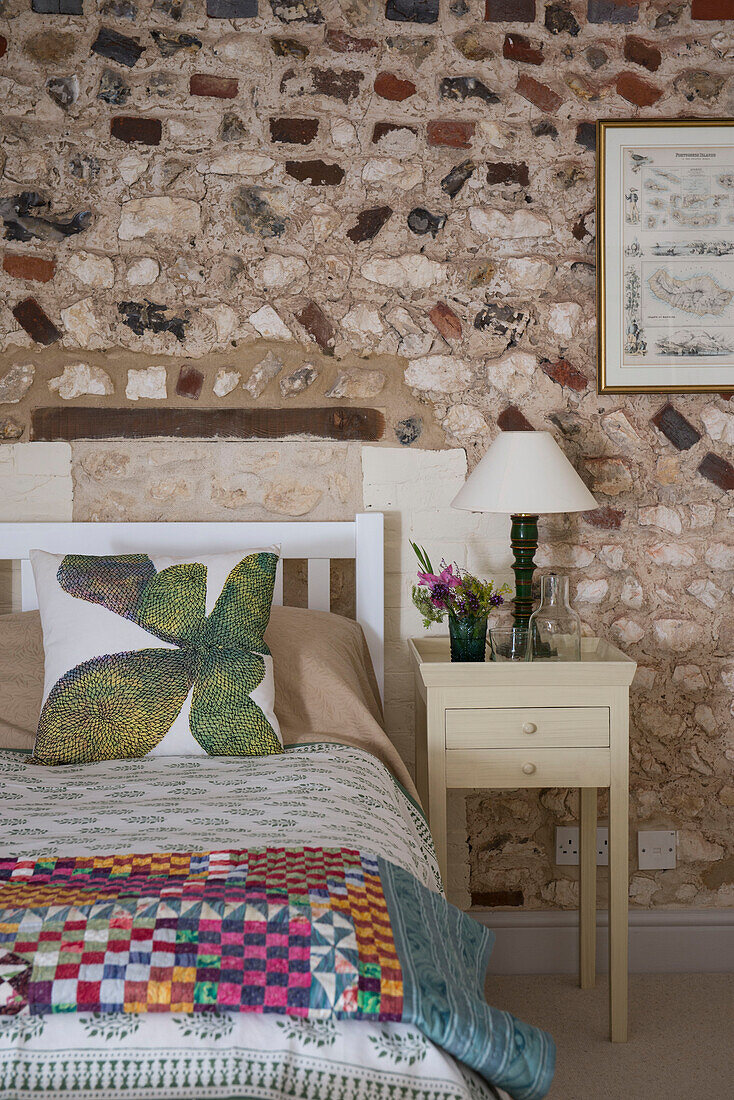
(211,204)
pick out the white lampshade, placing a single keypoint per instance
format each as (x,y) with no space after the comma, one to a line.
(524,472)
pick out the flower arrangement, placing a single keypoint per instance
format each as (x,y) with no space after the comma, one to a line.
(453,592)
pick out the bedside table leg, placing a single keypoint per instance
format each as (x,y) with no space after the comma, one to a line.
(587,889)
(437,818)
(436,776)
(421,753)
(618,886)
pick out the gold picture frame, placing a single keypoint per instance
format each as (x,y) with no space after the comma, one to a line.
(656,287)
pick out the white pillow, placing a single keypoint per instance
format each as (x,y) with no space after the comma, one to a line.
(155,655)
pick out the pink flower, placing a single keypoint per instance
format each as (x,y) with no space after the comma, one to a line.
(446,577)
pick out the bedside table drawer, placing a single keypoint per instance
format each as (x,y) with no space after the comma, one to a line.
(526,728)
(531,768)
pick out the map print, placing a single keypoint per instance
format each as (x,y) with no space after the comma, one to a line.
(678,243)
(700,295)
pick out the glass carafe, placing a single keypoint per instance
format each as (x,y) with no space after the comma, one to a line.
(555,628)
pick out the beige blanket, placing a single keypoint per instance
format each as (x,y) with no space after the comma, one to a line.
(325,688)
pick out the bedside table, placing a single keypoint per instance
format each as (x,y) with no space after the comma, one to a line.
(515,724)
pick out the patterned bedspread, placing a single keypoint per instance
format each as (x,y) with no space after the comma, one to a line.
(323,935)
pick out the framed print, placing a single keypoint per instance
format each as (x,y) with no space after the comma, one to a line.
(665,256)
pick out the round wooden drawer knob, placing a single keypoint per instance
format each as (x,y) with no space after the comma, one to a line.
(529,769)
(529,727)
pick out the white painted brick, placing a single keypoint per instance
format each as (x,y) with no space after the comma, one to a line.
(395,478)
(35,499)
(43,459)
(405,561)
(35,482)
(449,523)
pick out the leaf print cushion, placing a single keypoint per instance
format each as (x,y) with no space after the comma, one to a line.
(151,655)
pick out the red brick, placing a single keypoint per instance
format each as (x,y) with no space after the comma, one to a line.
(446,131)
(389,86)
(512,420)
(3,45)
(340,84)
(146,131)
(342,42)
(294,131)
(499,172)
(565,374)
(609,519)
(642,53)
(190,381)
(539,94)
(315,172)
(22,266)
(217,87)
(636,90)
(717,470)
(516,47)
(369,223)
(712,9)
(380,129)
(37,324)
(675,427)
(318,326)
(446,321)
(509,11)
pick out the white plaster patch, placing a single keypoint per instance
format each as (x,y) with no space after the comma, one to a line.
(35,482)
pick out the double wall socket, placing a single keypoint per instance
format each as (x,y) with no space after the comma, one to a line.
(567,845)
(656,848)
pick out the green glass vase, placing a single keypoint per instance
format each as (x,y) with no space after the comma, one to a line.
(468,638)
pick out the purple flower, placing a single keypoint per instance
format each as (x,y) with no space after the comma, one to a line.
(440,594)
(496,600)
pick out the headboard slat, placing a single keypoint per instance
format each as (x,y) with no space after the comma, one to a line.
(319,584)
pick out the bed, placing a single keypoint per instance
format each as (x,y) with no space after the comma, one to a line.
(339,788)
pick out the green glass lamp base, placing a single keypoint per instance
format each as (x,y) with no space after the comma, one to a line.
(524,543)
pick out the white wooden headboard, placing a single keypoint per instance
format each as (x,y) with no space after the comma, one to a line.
(318,543)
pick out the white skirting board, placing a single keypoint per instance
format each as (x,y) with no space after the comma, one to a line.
(661,941)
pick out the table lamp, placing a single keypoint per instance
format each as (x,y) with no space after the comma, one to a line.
(523,474)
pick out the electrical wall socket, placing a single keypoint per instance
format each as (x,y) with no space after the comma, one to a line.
(656,848)
(567,845)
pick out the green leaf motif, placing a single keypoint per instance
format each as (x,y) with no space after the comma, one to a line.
(115,582)
(119,705)
(240,615)
(173,605)
(122,705)
(224,719)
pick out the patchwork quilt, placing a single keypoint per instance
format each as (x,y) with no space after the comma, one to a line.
(305,932)
(319,796)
